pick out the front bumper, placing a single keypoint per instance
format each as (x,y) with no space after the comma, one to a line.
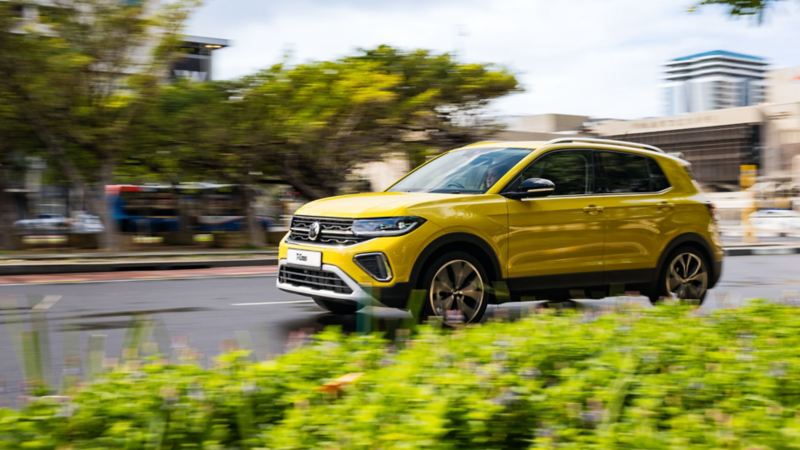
(357,294)
(395,296)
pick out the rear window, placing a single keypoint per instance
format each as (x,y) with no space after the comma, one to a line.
(626,172)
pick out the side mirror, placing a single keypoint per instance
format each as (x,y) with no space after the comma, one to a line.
(532,187)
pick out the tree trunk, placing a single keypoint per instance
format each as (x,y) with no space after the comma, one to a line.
(7,217)
(255,232)
(293,178)
(109,239)
(184,235)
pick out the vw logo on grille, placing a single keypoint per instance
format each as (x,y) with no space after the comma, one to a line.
(313,231)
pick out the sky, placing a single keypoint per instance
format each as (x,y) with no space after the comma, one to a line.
(601,58)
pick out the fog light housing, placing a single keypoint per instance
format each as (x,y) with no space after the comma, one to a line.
(375,264)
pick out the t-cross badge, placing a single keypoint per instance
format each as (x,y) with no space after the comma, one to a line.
(505,221)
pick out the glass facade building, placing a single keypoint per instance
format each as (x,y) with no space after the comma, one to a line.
(712,80)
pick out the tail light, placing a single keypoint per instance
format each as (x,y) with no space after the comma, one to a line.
(712,211)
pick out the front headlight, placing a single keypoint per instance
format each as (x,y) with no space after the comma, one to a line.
(389,226)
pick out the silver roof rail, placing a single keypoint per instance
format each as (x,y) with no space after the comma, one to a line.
(605,141)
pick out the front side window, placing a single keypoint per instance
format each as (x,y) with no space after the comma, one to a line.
(569,170)
(469,171)
(625,172)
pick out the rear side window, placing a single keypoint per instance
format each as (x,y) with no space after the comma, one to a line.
(658,180)
(625,172)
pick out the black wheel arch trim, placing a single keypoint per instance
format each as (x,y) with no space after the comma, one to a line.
(455,238)
(692,238)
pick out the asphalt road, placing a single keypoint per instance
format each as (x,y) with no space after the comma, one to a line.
(218,312)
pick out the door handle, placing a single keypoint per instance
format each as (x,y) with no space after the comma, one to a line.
(593,209)
(665,205)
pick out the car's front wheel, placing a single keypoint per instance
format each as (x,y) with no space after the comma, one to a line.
(684,276)
(336,306)
(457,289)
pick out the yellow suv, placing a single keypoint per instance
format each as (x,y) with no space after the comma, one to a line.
(497,221)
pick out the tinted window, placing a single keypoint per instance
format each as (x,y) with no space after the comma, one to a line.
(468,171)
(658,180)
(569,170)
(625,172)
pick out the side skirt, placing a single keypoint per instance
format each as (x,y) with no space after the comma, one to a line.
(397,296)
(525,285)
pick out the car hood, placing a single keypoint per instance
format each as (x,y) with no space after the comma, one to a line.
(373,204)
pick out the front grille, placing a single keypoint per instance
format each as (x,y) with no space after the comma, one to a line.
(313,278)
(332,231)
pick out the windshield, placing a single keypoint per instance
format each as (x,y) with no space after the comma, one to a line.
(470,171)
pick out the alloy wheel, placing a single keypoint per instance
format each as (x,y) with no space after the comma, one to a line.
(687,277)
(457,292)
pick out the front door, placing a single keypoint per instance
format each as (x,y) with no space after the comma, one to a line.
(560,235)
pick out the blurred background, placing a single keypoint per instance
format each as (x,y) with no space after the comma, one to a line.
(137,136)
(144,124)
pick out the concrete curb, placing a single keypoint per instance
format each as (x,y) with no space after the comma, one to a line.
(762,250)
(135,255)
(84,267)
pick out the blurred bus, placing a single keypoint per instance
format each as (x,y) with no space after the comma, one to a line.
(156,209)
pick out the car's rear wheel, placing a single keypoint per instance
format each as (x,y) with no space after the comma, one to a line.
(338,306)
(457,289)
(684,276)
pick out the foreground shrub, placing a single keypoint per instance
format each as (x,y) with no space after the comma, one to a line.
(656,378)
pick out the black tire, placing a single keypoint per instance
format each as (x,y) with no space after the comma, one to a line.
(338,306)
(478,307)
(661,289)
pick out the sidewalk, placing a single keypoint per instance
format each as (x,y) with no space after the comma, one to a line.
(761,249)
(50,263)
(766,245)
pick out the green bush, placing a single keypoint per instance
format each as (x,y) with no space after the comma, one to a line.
(656,378)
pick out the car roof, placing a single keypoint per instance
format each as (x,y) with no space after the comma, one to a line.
(583,142)
(517,144)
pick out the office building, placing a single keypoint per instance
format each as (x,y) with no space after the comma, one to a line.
(196,59)
(712,80)
(783,85)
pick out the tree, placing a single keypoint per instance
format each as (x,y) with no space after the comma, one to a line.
(739,8)
(6,204)
(78,76)
(313,123)
(16,142)
(192,131)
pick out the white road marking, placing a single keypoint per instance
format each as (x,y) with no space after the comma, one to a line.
(47,302)
(287,302)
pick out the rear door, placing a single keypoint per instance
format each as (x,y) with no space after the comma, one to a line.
(634,193)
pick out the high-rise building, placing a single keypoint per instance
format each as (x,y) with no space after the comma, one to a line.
(196,58)
(710,80)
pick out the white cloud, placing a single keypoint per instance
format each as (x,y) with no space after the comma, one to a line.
(574,56)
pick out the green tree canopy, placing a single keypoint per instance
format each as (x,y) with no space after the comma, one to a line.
(76,76)
(738,8)
(311,124)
